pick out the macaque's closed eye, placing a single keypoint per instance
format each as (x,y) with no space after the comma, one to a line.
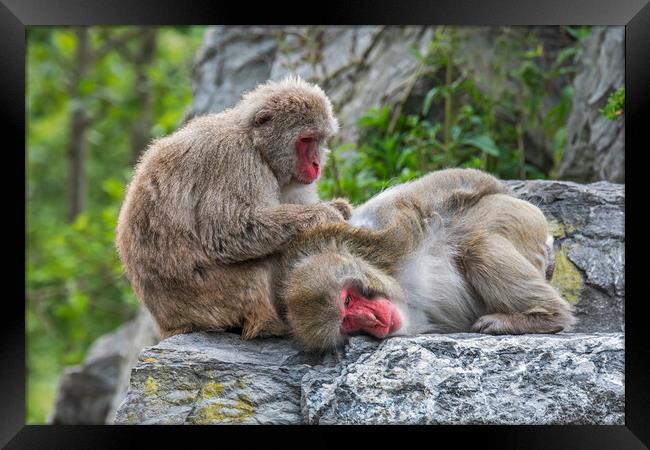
(263,117)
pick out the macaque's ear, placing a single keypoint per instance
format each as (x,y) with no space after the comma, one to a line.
(262,116)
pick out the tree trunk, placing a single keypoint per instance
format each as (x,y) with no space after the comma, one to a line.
(78,125)
(142,128)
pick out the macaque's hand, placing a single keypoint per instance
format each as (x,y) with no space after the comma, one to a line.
(410,216)
(326,213)
(342,206)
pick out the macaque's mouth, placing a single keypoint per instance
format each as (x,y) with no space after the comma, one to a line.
(376,316)
(309,164)
(302,180)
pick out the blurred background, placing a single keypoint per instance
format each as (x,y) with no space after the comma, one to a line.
(519,102)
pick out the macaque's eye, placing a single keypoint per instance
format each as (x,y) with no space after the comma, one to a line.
(263,117)
(347,300)
(370,293)
(307,139)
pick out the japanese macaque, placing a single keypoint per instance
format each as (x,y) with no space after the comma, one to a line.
(454,251)
(211,205)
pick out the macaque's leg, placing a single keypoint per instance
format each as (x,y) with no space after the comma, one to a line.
(517,297)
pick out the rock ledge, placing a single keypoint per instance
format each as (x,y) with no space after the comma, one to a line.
(214,378)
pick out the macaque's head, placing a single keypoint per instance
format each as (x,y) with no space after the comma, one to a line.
(290,122)
(332,295)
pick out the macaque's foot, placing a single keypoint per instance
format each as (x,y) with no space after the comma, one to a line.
(342,206)
(516,324)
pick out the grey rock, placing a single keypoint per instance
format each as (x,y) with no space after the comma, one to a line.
(358,67)
(231,61)
(145,333)
(216,378)
(443,379)
(588,224)
(364,66)
(90,392)
(212,378)
(596,145)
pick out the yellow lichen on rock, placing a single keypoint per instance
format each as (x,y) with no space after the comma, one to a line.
(566,277)
(556,228)
(226,411)
(212,389)
(150,386)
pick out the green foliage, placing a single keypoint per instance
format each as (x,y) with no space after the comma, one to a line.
(615,107)
(465,120)
(76,289)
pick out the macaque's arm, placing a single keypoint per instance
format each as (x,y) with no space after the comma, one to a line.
(384,248)
(260,232)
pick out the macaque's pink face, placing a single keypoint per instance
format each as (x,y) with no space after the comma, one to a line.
(377,316)
(307,150)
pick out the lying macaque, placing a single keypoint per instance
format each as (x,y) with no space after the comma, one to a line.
(454,251)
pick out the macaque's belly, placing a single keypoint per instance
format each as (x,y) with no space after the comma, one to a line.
(437,297)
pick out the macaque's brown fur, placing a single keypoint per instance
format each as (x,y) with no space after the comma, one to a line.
(212,204)
(493,247)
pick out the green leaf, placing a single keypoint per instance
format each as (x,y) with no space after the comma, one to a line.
(564,54)
(113,187)
(79,302)
(483,143)
(615,105)
(404,156)
(80,223)
(428,99)
(416,52)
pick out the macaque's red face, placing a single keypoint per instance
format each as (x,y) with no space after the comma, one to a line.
(307,151)
(376,316)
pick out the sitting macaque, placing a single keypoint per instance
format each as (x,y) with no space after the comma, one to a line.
(454,251)
(211,205)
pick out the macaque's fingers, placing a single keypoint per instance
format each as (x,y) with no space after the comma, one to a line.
(407,221)
(550,258)
(516,324)
(343,206)
(330,214)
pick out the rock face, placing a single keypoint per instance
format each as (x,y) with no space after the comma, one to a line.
(596,145)
(588,224)
(437,379)
(205,378)
(364,66)
(358,67)
(210,378)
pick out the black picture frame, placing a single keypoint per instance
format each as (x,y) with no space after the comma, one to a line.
(16,15)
